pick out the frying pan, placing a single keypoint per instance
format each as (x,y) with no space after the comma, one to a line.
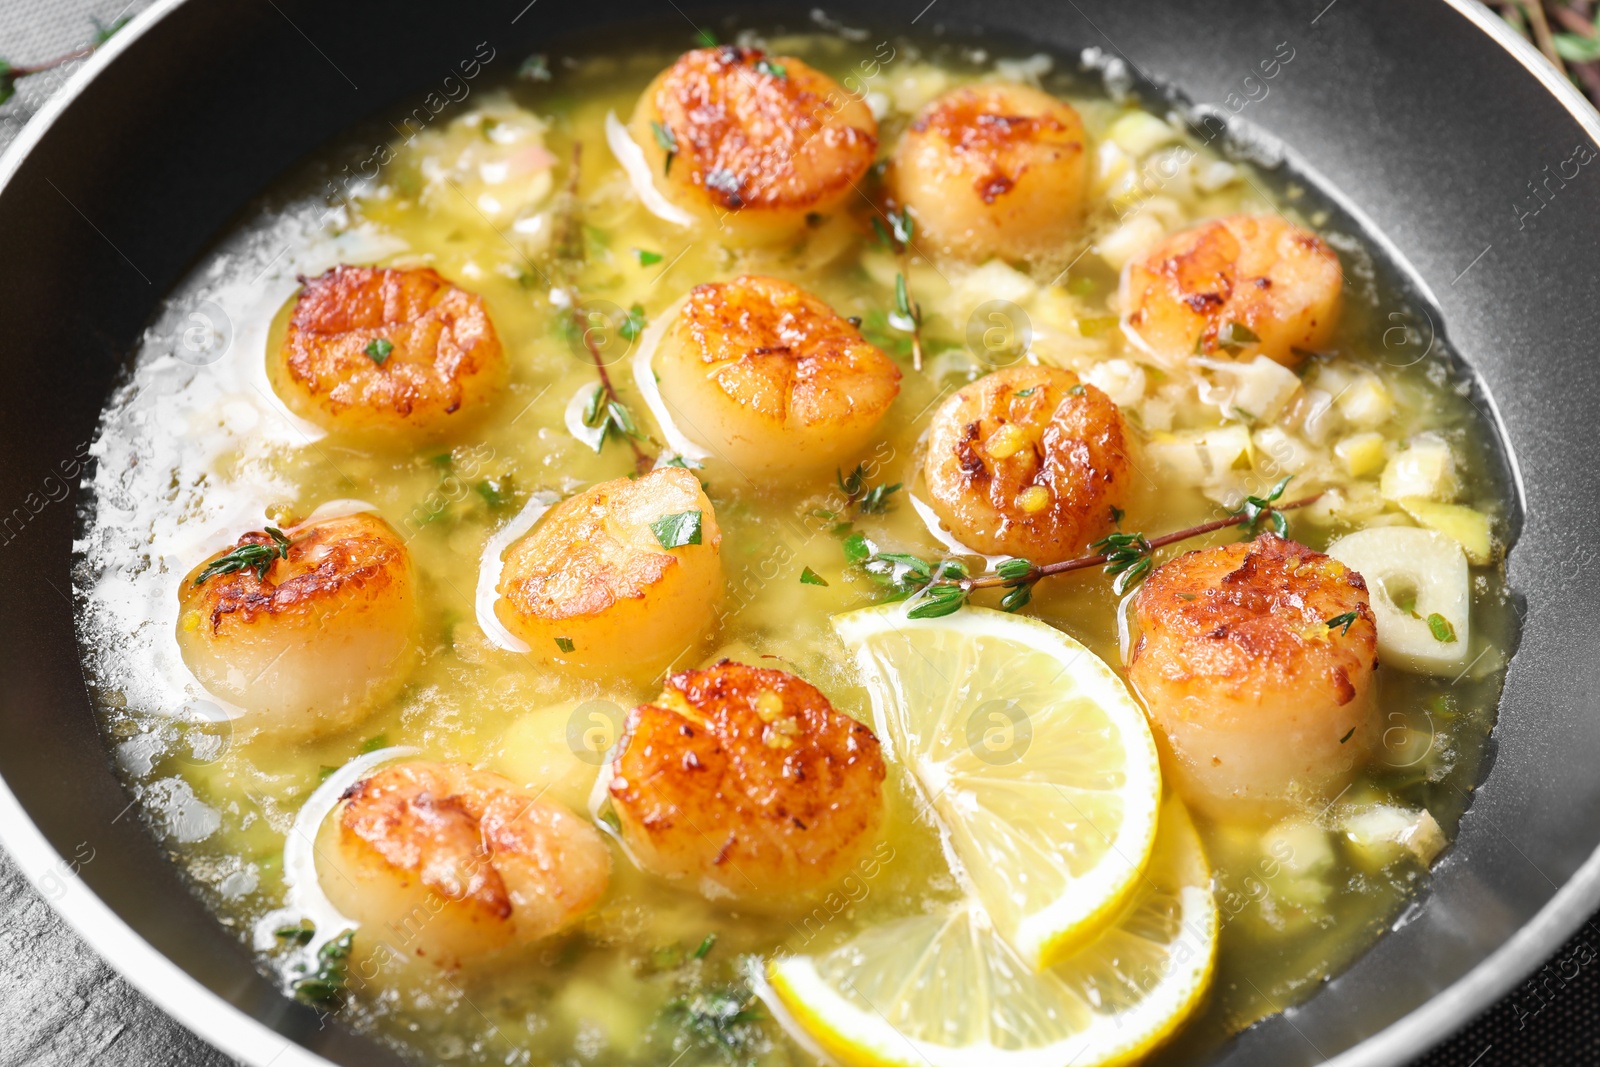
(1443,132)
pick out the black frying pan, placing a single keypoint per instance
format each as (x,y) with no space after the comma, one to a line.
(1438,128)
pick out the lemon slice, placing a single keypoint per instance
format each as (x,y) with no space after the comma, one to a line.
(1040,769)
(945,991)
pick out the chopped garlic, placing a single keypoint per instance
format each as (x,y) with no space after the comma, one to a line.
(1362,454)
(1424,468)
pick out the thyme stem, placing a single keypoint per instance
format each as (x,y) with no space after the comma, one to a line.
(994,581)
(570,247)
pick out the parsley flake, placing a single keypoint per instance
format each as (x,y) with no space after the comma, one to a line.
(668,142)
(1441,629)
(378,349)
(675,531)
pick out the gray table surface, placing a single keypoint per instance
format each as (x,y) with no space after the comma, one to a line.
(59,1003)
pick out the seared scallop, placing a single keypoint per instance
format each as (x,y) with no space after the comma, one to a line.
(1255,662)
(993,170)
(1030,462)
(748,782)
(621,578)
(448,864)
(768,378)
(751,142)
(388,352)
(1236,288)
(306,629)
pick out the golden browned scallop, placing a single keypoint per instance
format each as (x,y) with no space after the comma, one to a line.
(753,142)
(1030,462)
(1255,661)
(1237,288)
(993,170)
(389,352)
(768,378)
(618,579)
(749,782)
(448,864)
(319,628)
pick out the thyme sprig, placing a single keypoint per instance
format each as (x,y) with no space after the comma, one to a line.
(605,410)
(941,588)
(256,557)
(867,499)
(895,235)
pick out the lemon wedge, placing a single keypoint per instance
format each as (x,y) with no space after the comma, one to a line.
(1039,768)
(944,991)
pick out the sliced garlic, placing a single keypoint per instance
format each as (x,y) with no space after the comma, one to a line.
(1426,572)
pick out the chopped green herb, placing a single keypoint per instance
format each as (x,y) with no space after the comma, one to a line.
(771,69)
(1348,734)
(497,494)
(564,644)
(258,558)
(295,935)
(686,464)
(536,68)
(857,548)
(706,38)
(724,1021)
(633,325)
(1342,621)
(705,946)
(1116,515)
(378,349)
(1441,629)
(1023,394)
(327,982)
(811,577)
(647,257)
(668,142)
(372,744)
(675,531)
(1234,336)
(1076,390)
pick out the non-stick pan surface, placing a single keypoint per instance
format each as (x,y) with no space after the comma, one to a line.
(1424,116)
